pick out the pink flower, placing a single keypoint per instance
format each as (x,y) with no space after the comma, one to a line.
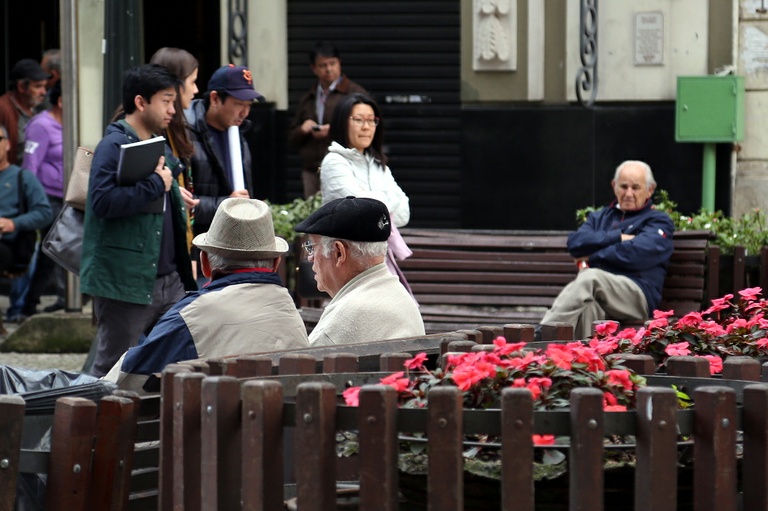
(657,314)
(679,349)
(715,364)
(691,320)
(719,304)
(397,381)
(416,362)
(615,408)
(505,348)
(352,396)
(607,328)
(751,293)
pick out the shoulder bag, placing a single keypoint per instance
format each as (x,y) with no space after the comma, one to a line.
(64,241)
(77,188)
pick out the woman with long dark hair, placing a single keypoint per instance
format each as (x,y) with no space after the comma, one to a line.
(355,165)
(185,66)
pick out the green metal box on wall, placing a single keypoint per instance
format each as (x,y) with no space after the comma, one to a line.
(709,109)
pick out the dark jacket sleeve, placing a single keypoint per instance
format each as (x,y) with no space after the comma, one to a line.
(39,213)
(591,236)
(108,200)
(169,341)
(651,246)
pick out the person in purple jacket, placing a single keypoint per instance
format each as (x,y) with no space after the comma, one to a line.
(44,157)
(622,252)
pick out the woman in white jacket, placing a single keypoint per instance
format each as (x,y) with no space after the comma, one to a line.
(355,165)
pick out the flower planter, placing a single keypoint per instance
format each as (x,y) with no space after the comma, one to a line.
(482,493)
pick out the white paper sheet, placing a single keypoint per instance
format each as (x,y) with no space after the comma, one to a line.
(236,157)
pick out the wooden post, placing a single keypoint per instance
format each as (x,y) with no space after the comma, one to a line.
(515,332)
(445,482)
(315,444)
(11,425)
(250,366)
(741,368)
(656,471)
(585,467)
(714,449)
(393,361)
(166,476)
(378,448)
(186,444)
(69,468)
(221,446)
(340,363)
(113,453)
(262,445)
(517,492)
(755,463)
(691,367)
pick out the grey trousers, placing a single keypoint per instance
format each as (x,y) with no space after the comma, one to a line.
(594,295)
(121,324)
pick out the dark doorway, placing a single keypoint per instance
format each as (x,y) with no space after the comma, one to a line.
(407,55)
(28,29)
(193,25)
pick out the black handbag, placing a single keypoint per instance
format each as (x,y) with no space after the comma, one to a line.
(23,244)
(64,241)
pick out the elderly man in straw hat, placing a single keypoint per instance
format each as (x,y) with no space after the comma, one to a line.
(243,309)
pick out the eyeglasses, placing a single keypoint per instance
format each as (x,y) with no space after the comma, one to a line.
(359,121)
(309,247)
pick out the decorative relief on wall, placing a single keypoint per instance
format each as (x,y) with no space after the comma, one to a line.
(495,28)
(753,54)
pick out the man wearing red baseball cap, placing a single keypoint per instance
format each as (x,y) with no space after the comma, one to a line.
(221,163)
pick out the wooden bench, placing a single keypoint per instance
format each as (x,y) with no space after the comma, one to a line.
(239,426)
(462,279)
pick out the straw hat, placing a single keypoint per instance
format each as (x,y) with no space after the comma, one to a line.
(242,229)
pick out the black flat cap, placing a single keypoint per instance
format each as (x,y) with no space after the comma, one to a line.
(350,218)
(28,69)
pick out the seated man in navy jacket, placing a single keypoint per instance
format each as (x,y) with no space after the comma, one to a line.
(622,252)
(243,309)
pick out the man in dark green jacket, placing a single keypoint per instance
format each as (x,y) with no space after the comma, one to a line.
(135,264)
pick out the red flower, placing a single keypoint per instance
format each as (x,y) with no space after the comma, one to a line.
(620,378)
(416,362)
(560,355)
(352,396)
(543,439)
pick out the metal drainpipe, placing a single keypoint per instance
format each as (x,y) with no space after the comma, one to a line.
(71,126)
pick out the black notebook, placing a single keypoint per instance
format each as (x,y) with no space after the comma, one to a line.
(137,161)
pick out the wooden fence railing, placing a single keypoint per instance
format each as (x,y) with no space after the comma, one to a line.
(232,433)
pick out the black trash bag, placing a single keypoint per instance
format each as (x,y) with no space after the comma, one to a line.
(17,380)
(40,388)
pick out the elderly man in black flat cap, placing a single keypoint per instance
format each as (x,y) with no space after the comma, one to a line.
(347,247)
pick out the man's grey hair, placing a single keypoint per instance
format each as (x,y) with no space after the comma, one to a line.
(54,59)
(226,264)
(649,180)
(357,249)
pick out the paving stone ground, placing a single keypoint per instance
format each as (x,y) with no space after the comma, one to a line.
(64,361)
